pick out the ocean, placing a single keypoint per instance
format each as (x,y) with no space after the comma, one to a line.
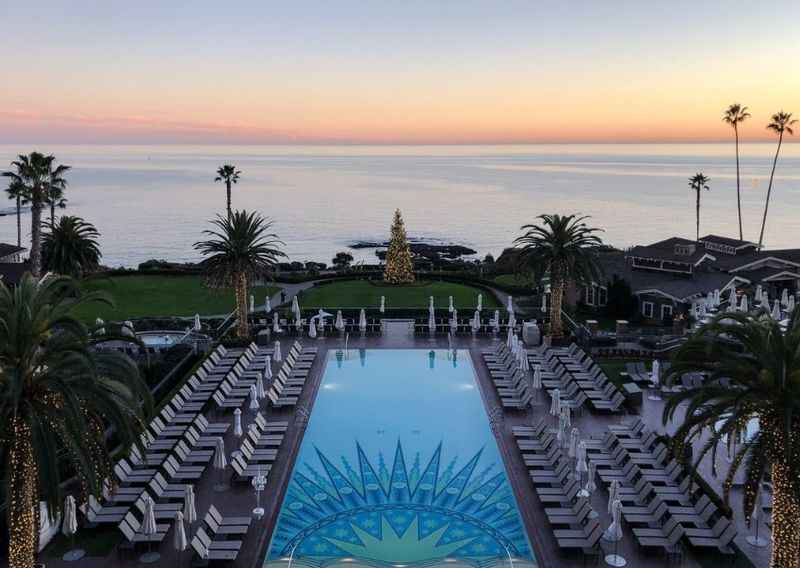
(154,201)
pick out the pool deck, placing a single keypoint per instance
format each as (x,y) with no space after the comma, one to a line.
(240,498)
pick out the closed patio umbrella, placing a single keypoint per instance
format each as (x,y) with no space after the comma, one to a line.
(276,353)
(253,398)
(450,304)
(197,324)
(655,378)
(480,302)
(339,324)
(614,534)
(743,307)
(430,304)
(298,324)
(454,322)
(566,413)
(512,321)
(537,377)
(496,322)
(383,304)
(69,528)
(276,326)
(296,307)
(510,306)
(268,368)
(179,540)
(791,305)
(613,494)
(252,303)
(776,310)
(581,466)
(260,392)
(574,436)
(759,290)
(716,298)
(784,298)
(362,320)
(267,305)
(220,463)
(544,302)
(710,300)
(431,323)
(732,297)
(591,486)
(555,403)
(237,423)
(189,505)
(561,433)
(312,329)
(149,529)
(476,321)
(510,338)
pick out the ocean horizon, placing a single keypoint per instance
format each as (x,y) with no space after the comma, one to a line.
(153,201)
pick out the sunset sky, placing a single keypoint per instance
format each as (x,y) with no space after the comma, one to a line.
(393,72)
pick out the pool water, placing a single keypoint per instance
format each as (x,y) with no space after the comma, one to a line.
(398,466)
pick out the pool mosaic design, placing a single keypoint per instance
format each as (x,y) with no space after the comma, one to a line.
(399,465)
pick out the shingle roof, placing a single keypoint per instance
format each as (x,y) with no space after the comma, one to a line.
(7,249)
(665,250)
(726,241)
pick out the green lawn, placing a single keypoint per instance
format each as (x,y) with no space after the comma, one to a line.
(361,293)
(513,280)
(141,296)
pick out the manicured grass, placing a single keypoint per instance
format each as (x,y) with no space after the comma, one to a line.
(142,296)
(361,293)
(513,280)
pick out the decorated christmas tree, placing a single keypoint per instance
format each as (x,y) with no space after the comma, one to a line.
(399,268)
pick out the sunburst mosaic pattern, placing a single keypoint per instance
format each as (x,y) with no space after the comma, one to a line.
(407,499)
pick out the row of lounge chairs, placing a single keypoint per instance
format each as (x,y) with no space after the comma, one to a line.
(660,500)
(578,378)
(464,327)
(512,383)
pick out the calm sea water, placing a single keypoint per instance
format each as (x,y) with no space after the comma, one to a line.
(154,201)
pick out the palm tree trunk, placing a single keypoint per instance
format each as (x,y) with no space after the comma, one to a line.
(556,299)
(228,187)
(785,519)
(36,238)
(738,188)
(52,213)
(242,329)
(697,208)
(19,221)
(769,192)
(22,492)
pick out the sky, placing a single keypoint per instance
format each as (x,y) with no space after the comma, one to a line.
(373,71)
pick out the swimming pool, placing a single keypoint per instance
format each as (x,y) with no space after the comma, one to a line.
(398,467)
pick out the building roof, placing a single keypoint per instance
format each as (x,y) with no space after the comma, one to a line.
(7,249)
(728,241)
(666,250)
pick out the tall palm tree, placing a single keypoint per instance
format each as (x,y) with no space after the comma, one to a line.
(55,198)
(16,191)
(70,247)
(780,123)
(239,249)
(734,115)
(753,371)
(230,175)
(565,247)
(58,397)
(698,182)
(38,174)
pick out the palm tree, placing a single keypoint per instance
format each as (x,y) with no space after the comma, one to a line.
(55,198)
(239,249)
(753,371)
(16,191)
(734,115)
(698,182)
(37,175)
(563,246)
(780,123)
(230,175)
(70,247)
(58,397)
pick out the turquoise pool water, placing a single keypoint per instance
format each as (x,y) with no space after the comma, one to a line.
(399,466)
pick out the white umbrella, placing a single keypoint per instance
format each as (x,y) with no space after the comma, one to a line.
(561,432)
(362,320)
(296,307)
(276,326)
(785,298)
(383,304)
(613,494)
(431,323)
(555,402)
(655,379)
(149,528)
(260,392)
(277,353)
(759,291)
(566,413)
(480,302)
(267,305)
(430,304)
(573,443)
(537,377)
(454,321)
(252,303)
(764,298)
(710,300)
(220,460)
(69,528)
(237,423)
(614,531)
(544,302)
(312,329)
(189,506)
(496,322)
(510,306)
(790,307)
(268,368)
(510,338)
(197,325)
(512,321)
(253,398)
(743,307)
(450,302)
(179,540)
(320,325)
(716,298)
(339,321)
(776,310)
(591,486)
(476,321)
(732,297)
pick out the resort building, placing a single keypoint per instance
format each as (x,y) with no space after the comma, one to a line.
(668,276)
(12,264)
